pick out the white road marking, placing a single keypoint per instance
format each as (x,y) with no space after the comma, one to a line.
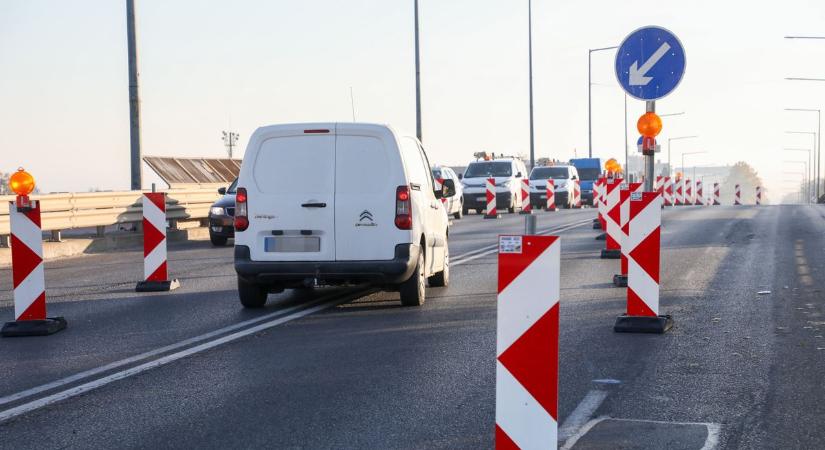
(286,315)
(581,415)
(711,442)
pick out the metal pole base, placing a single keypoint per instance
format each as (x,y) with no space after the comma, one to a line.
(620,280)
(21,328)
(526,212)
(157,286)
(611,253)
(601,237)
(643,324)
(492,216)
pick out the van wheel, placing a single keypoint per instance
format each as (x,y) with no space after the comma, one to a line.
(478,210)
(251,295)
(459,214)
(465,211)
(511,209)
(442,279)
(217,241)
(412,290)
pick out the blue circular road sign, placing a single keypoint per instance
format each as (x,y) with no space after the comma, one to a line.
(650,63)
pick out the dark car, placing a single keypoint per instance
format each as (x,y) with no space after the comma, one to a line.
(222,216)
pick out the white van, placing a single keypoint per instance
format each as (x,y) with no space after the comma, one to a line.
(507,172)
(563,178)
(338,203)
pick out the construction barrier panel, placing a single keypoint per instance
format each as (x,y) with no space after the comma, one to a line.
(527,342)
(668,197)
(526,207)
(700,199)
(155,267)
(491,212)
(551,195)
(28,273)
(620,280)
(716,194)
(612,248)
(679,198)
(644,240)
(577,194)
(737,196)
(688,192)
(758,195)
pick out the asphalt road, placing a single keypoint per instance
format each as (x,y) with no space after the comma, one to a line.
(345,368)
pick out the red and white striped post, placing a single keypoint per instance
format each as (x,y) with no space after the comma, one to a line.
(598,222)
(551,195)
(643,242)
(716,194)
(679,199)
(688,192)
(737,196)
(612,248)
(659,185)
(758,195)
(28,273)
(668,197)
(577,194)
(700,199)
(620,280)
(155,272)
(491,212)
(527,342)
(526,207)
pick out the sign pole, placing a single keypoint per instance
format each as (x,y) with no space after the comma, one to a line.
(650,106)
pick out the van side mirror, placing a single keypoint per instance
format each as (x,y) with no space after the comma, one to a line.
(518,175)
(222,191)
(574,178)
(447,189)
(460,176)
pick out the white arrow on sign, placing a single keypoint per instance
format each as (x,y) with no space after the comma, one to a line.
(637,74)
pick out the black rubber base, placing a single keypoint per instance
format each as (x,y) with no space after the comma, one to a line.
(620,280)
(642,324)
(601,237)
(611,253)
(551,209)
(597,225)
(497,216)
(525,212)
(157,286)
(21,328)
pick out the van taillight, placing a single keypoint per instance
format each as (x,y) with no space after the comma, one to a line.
(241,210)
(403,208)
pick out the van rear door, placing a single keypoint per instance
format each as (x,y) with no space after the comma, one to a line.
(368,171)
(292,206)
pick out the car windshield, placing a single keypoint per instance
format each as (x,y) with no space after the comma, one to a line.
(543,173)
(588,173)
(489,169)
(231,188)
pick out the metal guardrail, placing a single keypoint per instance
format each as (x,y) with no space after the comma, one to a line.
(96,209)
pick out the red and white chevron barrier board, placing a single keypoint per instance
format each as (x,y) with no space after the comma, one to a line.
(27,269)
(597,192)
(577,194)
(612,248)
(659,186)
(716,194)
(526,207)
(551,195)
(688,192)
(155,271)
(643,243)
(737,196)
(491,212)
(602,210)
(679,196)
(624,217)
(668,197)
(527,342)
(700,199)
(758,195)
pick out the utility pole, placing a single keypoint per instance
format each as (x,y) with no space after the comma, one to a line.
(418,132)
(530,65)
(134,99)
(230,139)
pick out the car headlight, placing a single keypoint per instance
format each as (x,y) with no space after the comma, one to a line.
(507,183)
(217,211)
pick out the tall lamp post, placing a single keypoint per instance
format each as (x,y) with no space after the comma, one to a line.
(689,153)
(818,150)
(669,140)
(807,170)
(530,76)
(811,156)
(418,132)
(589,97)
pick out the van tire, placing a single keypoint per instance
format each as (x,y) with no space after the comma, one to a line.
(442,279)
(478,210)
(218,241)
(412,291)
(458,214)
(251,295)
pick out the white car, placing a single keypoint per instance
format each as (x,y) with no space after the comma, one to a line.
(338,203)
(563,177)
(507,172)
(452,206)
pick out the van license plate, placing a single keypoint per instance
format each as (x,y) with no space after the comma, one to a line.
(481,199)
(292,244)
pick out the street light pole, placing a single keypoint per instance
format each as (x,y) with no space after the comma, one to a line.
(134,99)
(530,65)
(669,140)
(818,150)
(589,97)
(811,157)
(807,170)
(418,132)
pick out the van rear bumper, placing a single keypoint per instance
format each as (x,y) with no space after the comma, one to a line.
(299,273)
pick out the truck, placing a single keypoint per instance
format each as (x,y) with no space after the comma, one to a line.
(589,170)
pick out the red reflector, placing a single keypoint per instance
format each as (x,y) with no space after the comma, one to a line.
(240,195)
(316,131)
(241,223)
(403,222)
(403,196)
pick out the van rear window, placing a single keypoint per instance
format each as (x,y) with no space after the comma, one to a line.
(296,164)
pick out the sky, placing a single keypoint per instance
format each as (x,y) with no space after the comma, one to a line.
(212,65)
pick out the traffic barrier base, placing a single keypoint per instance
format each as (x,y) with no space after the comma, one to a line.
(596,224)
(611,253)
(643,324)
(601,237)
(620,280)
(157,286)
(44,327)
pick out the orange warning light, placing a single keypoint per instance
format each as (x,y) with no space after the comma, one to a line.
(21,182)
(649,125)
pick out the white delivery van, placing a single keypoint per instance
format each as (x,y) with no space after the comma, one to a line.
(507,172)
(563,178)
(338,203)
